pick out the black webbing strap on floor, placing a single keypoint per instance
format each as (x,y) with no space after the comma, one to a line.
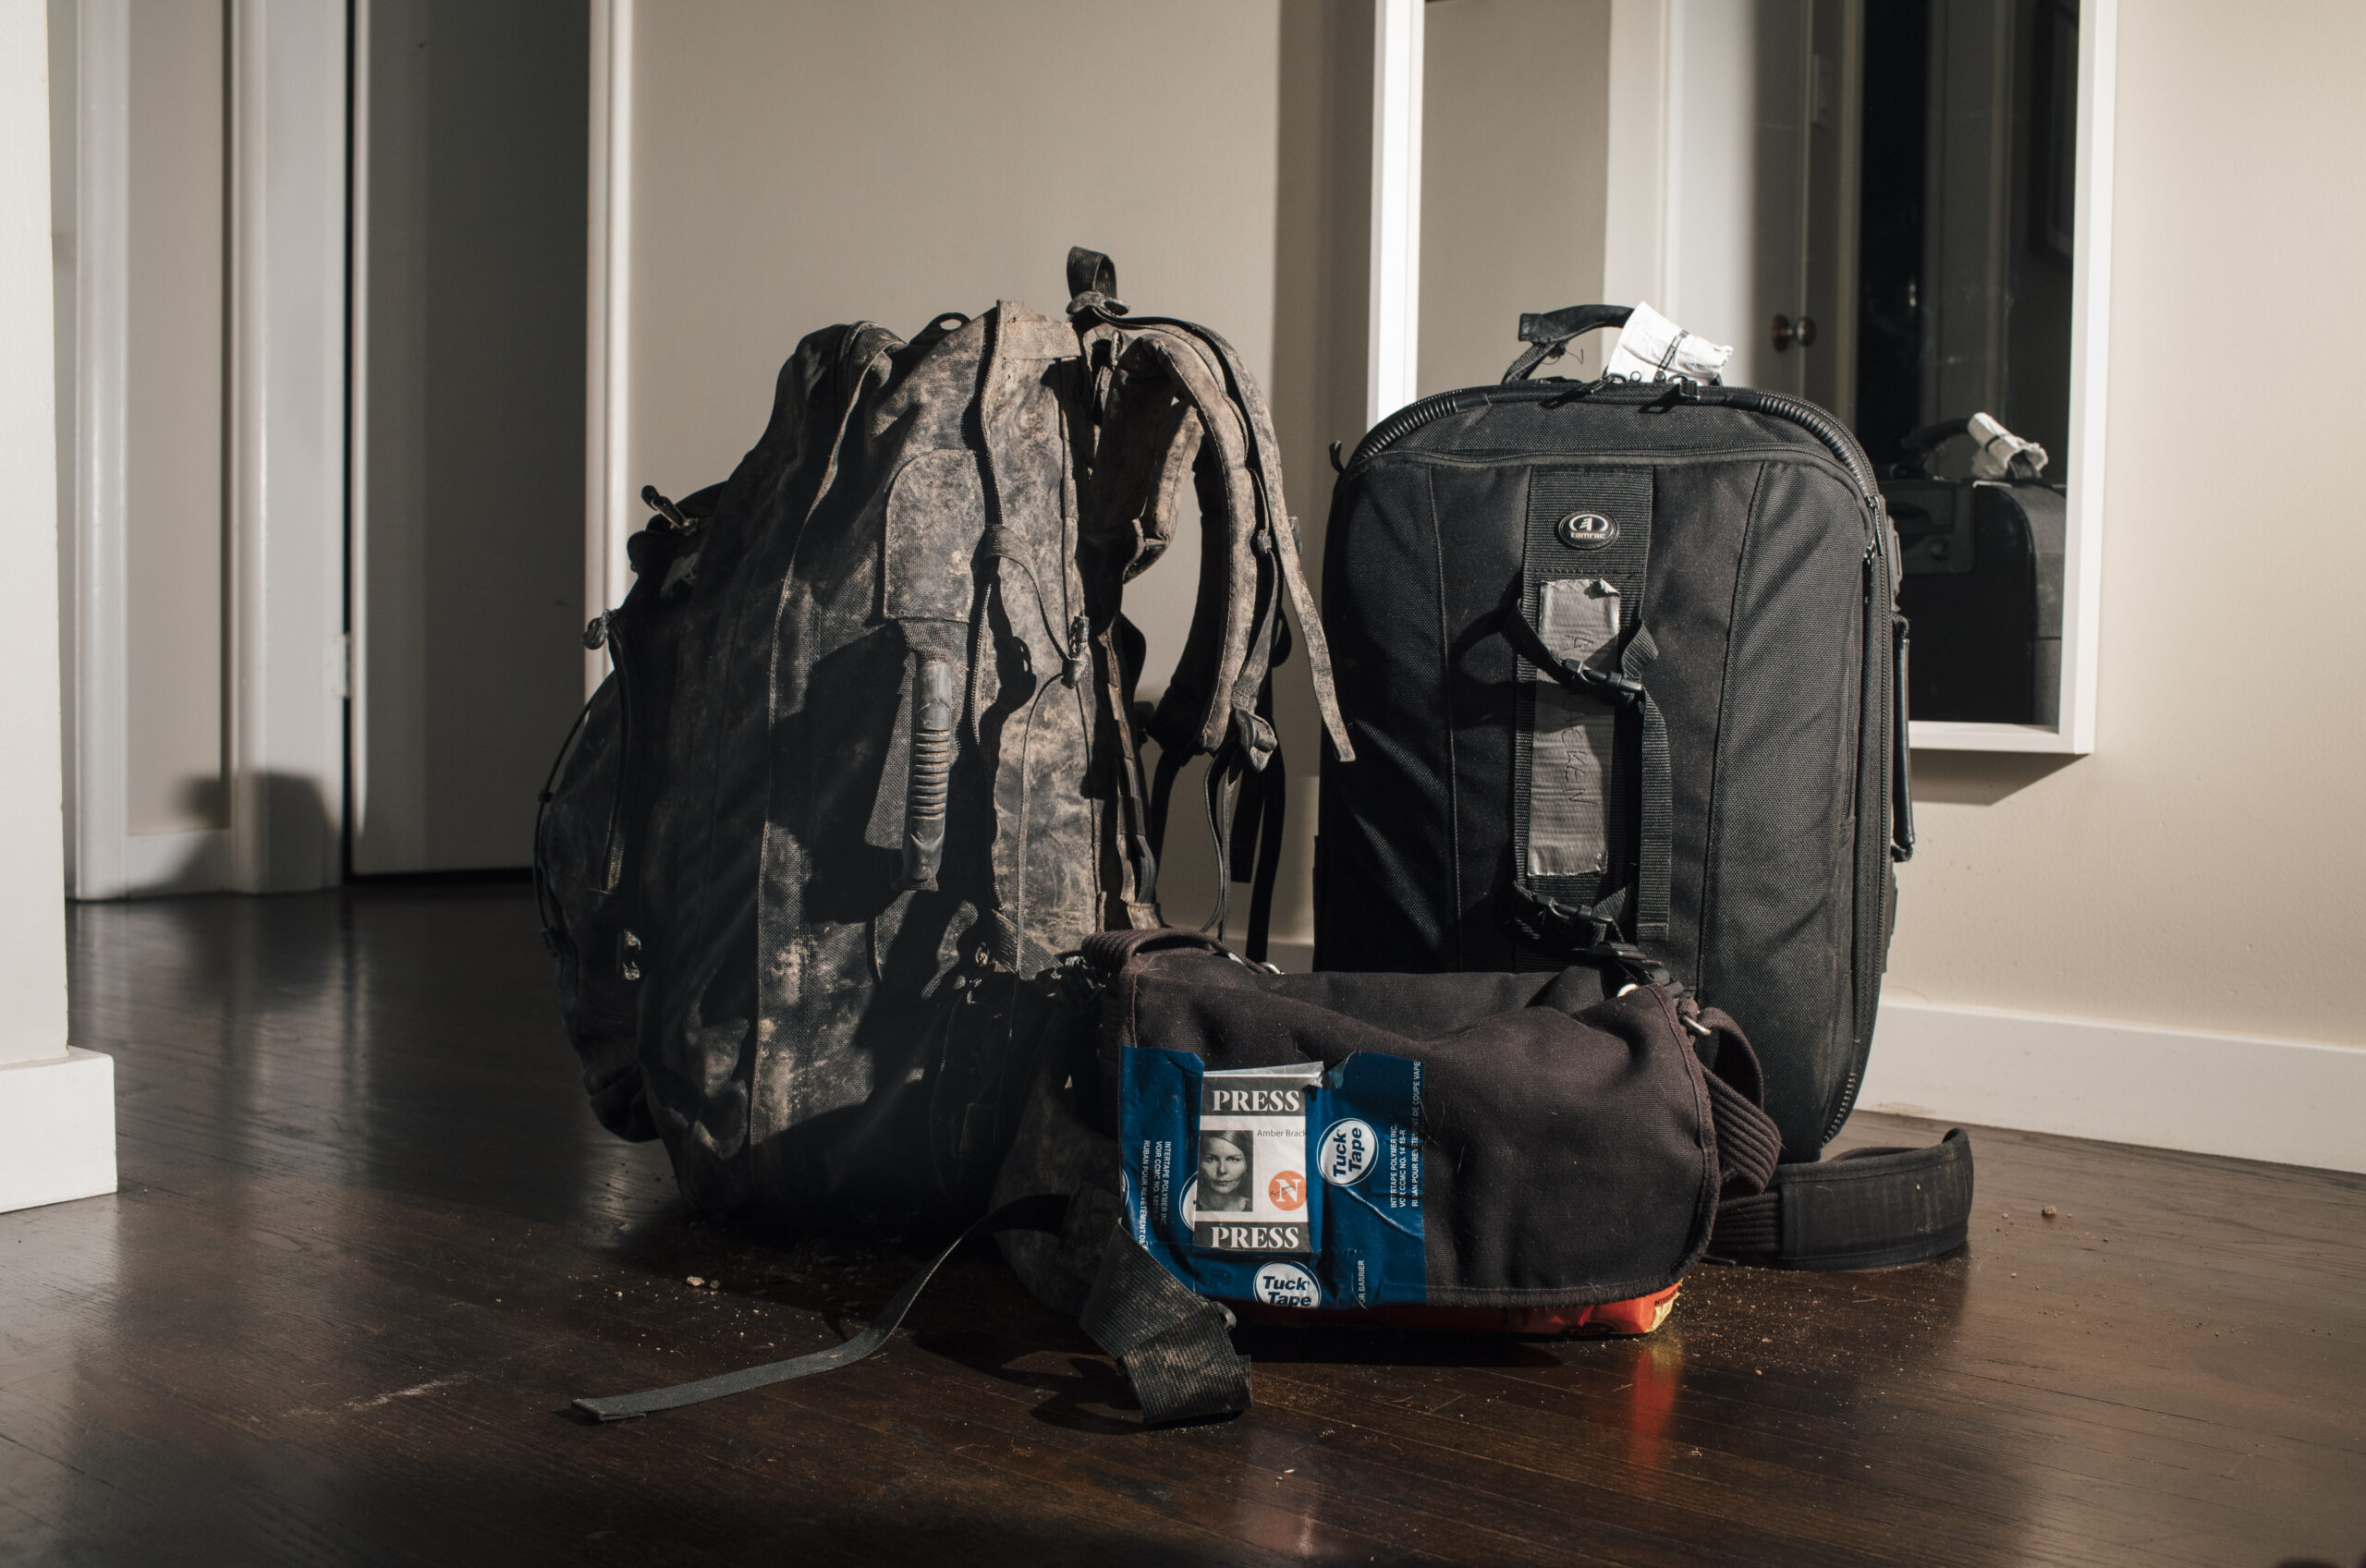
(1039,1213)
(1175,1346)
(1869,1208)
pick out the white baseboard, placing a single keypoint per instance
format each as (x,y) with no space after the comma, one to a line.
(57,1129)
(2289,1101)
(197,860)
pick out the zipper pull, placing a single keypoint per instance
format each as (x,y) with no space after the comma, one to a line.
(1072,663)
(595,632)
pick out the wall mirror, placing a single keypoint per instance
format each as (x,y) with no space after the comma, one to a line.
(1898,209)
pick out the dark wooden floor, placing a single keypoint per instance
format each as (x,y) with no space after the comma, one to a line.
(369,1243)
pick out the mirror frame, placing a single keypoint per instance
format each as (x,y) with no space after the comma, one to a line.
(1644,127)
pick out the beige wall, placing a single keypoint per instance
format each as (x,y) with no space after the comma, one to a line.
(172,525)
(2207,868)
(796,165)
(1514,134)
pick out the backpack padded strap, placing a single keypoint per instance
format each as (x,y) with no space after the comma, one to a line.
(1175,1345)
(1869,1208)
(1167,415)
(1228,650)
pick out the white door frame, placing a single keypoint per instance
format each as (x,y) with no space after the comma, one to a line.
(106,858)
(288,652)
(1394,356)
(608,503)
(287,679)
(100,855)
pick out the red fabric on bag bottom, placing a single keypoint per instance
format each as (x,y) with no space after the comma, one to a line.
(1639,1315)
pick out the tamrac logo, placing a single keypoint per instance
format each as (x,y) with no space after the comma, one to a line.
(1270,1101)
(1586,530)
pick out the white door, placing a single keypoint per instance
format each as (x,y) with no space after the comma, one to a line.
(1763,187)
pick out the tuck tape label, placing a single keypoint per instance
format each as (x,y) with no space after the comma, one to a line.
(1288,1185)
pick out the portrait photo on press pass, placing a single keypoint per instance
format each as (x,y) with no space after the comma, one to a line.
(1227,1172)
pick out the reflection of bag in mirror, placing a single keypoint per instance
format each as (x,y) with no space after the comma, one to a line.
(1982,558)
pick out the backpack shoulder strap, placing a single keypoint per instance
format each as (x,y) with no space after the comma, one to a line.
(1175,400)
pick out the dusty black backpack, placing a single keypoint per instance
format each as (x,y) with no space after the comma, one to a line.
(869,753)
(1622,665)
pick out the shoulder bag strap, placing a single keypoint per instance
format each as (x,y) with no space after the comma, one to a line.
(1868,1208)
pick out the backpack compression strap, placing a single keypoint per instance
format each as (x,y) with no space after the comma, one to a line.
(1044,1214)
(1868,1208)
(1175,1346)
(1655,810)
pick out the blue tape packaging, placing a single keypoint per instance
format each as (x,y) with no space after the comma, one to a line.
(1288,1185)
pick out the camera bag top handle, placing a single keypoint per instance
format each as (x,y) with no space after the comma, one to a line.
(1923,441)
(1549,333)
(1921,444)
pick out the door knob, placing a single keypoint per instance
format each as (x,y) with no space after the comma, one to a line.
(1788,332)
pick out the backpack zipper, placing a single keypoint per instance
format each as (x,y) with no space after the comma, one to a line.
(1876,570)
(1807,415)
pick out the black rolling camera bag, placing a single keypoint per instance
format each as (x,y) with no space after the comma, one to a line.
(1620,662)
(1981,562)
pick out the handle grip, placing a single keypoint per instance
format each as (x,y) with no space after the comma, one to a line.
(935,706)
(1550,332)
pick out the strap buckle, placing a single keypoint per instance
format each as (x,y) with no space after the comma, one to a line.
(1640,967)
(1562,927)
